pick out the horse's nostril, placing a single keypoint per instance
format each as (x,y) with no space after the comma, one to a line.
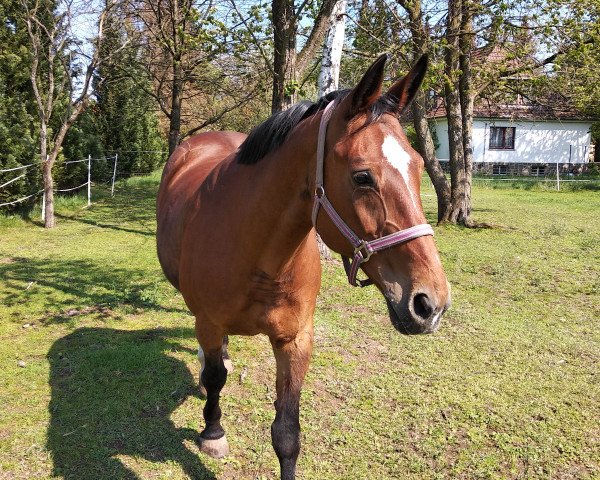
(422,306)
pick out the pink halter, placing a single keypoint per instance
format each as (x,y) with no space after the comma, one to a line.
(362,249)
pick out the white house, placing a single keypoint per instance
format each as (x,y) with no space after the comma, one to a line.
(534,135)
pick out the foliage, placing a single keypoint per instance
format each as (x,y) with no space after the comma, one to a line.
(124,115)
(17,133)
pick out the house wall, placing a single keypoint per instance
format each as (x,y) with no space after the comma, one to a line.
(535,141)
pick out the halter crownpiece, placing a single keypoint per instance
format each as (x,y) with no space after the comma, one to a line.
(363,250)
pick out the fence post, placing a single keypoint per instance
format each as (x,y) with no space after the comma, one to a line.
(557,178)
(570,158)
(44,196)
(112,189)
(89,180)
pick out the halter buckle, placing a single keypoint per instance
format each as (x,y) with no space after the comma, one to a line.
(363,246)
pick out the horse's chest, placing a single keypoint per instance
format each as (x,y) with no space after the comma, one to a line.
(273,306)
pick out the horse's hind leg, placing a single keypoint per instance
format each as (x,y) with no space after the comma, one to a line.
(292,364)
(214,374)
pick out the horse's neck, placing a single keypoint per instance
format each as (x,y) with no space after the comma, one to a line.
(285,198)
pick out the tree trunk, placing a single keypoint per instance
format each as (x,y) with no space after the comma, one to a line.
(467,99)
(459,207)
(427,151)
(332,50)
(457,213)
(419,111)
(48,181)
(329,74)
(176,100)
(284,61)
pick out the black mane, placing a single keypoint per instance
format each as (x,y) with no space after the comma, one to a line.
(270,135)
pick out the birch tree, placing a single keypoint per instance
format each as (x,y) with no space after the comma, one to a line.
(332,49)
(329,74)
(290,65)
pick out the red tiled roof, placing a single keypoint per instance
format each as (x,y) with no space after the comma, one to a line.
(485,109)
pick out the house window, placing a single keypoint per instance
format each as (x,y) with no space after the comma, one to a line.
(499,170)
(502,138)
(538,170)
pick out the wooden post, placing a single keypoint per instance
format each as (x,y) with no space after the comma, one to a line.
(112,188)
(89,180)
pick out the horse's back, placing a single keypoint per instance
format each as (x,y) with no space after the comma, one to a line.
(186,169)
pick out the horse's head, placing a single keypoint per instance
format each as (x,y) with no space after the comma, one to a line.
(372,177)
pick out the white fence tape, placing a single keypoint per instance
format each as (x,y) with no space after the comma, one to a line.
(11,181)
(71,189)
(17,168)
(21,199)
(88,183)
(77,161)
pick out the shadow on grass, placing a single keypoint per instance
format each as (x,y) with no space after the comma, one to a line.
(94,223)
(62,286)
(113,392)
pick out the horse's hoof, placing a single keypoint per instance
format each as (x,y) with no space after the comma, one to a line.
(228,365)
(215,448)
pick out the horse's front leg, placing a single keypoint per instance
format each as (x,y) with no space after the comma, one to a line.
(292,359)
(213,376)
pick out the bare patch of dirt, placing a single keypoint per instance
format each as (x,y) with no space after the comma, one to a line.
(103,310)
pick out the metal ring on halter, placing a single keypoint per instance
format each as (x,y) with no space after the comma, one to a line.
(319,191)
(363,246)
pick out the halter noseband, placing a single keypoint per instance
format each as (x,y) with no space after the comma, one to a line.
(362,249)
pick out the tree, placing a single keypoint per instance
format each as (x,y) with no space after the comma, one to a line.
(60,72)
(455,79)
(18,141)
(289,65)
(421,44)
(570,73)
(329,73)
(454,198)
(458,40)
(17,136)
(184,44)
(124,115)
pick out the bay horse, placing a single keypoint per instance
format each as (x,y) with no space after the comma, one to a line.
(236,236)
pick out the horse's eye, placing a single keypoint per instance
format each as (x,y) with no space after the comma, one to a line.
(363,178)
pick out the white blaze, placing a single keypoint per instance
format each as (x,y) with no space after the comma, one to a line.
(398,158)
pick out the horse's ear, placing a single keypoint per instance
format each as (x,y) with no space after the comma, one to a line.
(404,90)
(368,89)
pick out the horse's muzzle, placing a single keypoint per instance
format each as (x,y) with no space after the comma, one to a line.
(421,314)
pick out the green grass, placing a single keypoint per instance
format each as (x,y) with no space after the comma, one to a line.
(508,387)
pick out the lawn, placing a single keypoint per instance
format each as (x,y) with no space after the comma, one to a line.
(98,373)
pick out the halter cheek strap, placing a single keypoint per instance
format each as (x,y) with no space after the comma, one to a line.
(362,249)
